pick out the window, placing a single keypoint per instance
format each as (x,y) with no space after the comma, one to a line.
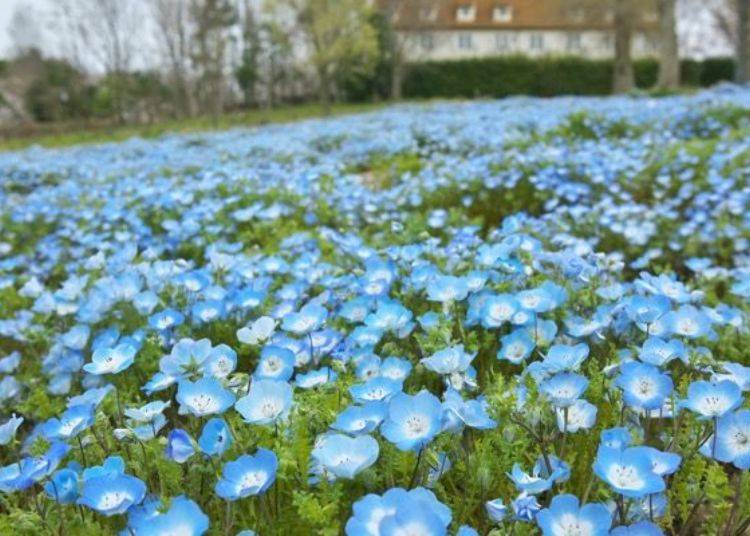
(466,13)
(464,41)
(428,14)
(536,41)
(502,13)
(427,41)
(502,41)
(574,42)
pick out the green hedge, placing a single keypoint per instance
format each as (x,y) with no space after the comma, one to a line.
(520,75)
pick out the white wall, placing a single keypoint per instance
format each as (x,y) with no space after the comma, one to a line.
(455,44)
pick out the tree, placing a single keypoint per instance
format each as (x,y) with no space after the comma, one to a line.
(623,80)
(743,41)
(174,35)
(247,73)
(407,21)
(339,37)
(213,21)
(669,59)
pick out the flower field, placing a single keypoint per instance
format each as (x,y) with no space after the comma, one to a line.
(501,317)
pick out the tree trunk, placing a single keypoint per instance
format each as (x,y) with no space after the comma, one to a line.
(669,57)
(397,79)
(325,91)
(623,66)
(743,41)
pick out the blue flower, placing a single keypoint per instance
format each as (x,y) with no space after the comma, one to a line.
(516,346)
(308,319)
(63,486)
(690,322)
(184,517)
(447,289)
(458,413)
(642,528)
(564,389)
(711,400)
(581,415)
(644,386)
(397,510)
(204,397)
(361,419)
(112,494)
(343,456)
(276,363)
(259,331)
(71,423)
(111,360)
(375,389)
(496,510)
(628,472)
(215,438)
(8,429)
(525,507)
(449,360)
(731,441)
(268,402)
(179,446)
(412,421)
(658,352)
(566,516)
(247,475)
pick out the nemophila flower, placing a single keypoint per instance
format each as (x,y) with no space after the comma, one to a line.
(564,389)
(399,511)
(220,362)
(642,528)
(628,472)
(689,322)
(76,338)
(662,463)
(268,402)
(247,475)
(644,386)
(646,309)
(111,466)
(498,309)
(8,429)
(166,319)
(363,336)
(361,419)
(72,422)
(207,311)
(516,346)
(565,516)
(186,358)
(22,475)
(395,368)
(658,352)
(581,415)
(649,507)
(616,438)
(184,518)
(145,302)
(315,378)
(9,363)
(531,483)
(542,299)
(112,494)
(736,373)
(525,507)
(731,441)
(179,446)
(148,412)
(447,289)
(458,413)
(111,360)
(449,360)
(343,456)
(307,319)
(496,510)
(215,437)
(258,331)
(412,421)
(390,316)
(374,389)
(561,357)
(62,486)
(429,320)
(437,468)
(276,363)
(710,400)
(205,396)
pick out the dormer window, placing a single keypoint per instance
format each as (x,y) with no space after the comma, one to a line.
(502,13)
(428,14)
(466,13)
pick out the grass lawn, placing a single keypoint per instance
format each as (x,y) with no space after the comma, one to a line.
(64,135)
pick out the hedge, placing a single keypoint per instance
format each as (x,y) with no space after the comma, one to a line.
(521,75)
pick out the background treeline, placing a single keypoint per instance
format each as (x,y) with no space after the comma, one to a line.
(142,61)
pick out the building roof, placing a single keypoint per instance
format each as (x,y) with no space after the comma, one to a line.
(512,14)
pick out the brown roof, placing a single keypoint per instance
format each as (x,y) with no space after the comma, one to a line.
(526,14)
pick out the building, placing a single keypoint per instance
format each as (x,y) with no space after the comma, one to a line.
(453,29)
